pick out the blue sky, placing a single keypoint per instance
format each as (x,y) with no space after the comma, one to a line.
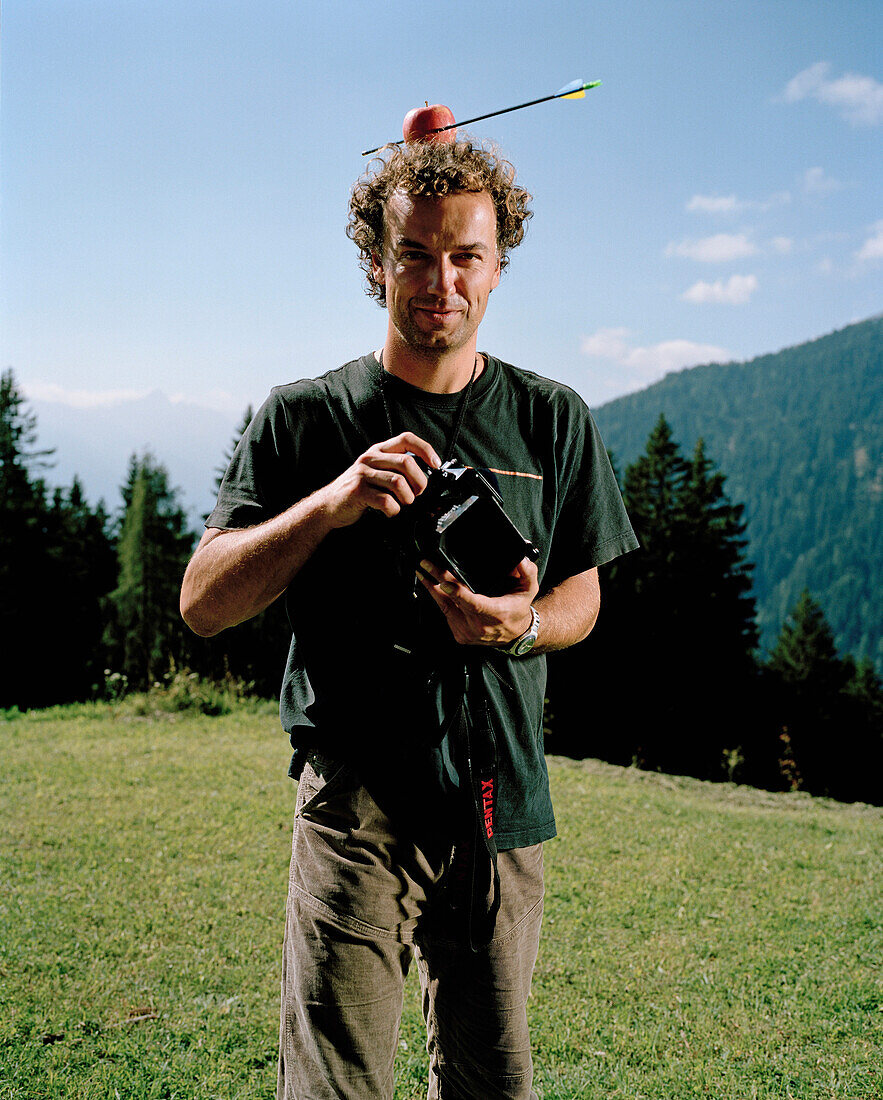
(175,181)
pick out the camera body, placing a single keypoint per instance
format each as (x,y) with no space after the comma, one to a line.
(460,523)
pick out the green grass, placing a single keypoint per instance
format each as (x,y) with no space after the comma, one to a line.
(699,941)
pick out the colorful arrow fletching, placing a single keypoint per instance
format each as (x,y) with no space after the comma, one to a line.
(576,89)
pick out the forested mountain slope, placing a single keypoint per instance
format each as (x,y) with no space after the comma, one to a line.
(799,434)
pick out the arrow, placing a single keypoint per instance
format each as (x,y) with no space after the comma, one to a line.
(575,90)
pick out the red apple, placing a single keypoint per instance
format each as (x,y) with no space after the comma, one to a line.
(420,123)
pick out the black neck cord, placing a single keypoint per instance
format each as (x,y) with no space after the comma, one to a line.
(458,419)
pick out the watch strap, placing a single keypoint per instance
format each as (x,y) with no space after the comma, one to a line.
(524,643)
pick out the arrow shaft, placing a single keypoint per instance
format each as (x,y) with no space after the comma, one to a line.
(493,114)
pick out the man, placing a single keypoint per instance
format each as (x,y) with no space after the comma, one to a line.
(414,704)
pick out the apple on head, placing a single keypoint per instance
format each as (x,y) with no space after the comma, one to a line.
(420,123)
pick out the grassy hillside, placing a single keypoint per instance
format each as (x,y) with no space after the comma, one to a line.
(799,434)
(700,941)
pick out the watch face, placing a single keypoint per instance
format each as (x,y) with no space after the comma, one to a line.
(525,645)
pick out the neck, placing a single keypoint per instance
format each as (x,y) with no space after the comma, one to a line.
(445,372)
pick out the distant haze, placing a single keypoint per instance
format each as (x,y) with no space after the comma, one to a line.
(96,443)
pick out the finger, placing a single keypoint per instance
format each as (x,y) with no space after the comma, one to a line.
(524,575)
(525,568)
(379,484)
(447,582)
(408,441)
(436,571)
(443,602)
(404,464)
(380,501)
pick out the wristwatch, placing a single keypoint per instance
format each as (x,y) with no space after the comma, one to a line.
(525,642)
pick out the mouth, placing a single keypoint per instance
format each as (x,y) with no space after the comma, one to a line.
(436,315)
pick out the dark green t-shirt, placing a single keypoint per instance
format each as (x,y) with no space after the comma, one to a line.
(348,606)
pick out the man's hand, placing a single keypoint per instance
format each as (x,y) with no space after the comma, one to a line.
(484,620)
(234,574)
(386,477)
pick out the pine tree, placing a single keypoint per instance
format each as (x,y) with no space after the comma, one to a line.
(714,547)
(83,572)
(25,610)
(717,625)
(808,690)
(805,656)
(860,757)
(866,686)
(670,667)
(18,434)
(146,633)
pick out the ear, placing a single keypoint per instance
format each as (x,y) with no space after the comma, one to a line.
(496,279)
(377,272)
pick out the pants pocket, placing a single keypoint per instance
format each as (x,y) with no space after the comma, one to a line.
(320,782)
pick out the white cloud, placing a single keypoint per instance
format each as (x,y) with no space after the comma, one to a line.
(859,99)
(736,291)
(872,249)
(217,400)
(644,365)
(720,248)
(607,343)
(782,245)
(221,401)
(815,182)
(730,204)
(807,82)
(81,399)
(715,204)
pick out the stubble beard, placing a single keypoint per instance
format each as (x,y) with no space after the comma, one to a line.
(432,346)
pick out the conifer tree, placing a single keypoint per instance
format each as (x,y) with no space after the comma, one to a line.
(667,677)
(146,633)
(24,554)
(805,656)
(83,572)
(859,761)
(55,567)
(692,614)
(809,679)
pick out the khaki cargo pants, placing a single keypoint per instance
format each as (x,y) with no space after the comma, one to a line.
(359,908)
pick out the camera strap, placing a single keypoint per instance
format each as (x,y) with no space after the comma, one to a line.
(462,406)
(473,868)
(472,874)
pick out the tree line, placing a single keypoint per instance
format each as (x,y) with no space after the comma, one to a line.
(89,597)
(800,435)
(670,679)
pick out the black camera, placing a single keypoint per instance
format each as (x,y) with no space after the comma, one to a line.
(460,523)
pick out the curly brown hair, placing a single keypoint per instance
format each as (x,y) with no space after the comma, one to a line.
(428,169)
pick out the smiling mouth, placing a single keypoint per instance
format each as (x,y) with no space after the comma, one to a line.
(437,316)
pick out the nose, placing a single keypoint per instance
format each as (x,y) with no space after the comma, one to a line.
(442,278)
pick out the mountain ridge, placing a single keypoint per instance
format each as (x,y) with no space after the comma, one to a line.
(799,434)
(96,442)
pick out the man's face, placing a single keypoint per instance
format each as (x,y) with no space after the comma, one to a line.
(439,265)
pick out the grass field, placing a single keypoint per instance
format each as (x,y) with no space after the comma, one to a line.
(699,941)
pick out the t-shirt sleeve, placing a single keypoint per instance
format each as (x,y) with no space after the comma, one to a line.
(261,480)
(592,526)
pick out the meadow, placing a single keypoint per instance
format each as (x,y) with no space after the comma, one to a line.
(700,940)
